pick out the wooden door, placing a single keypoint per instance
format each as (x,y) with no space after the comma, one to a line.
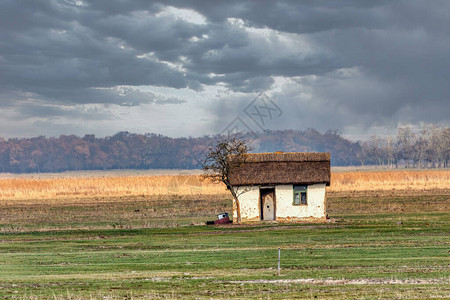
(268,204)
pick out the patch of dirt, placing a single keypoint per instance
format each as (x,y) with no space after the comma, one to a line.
(347,281)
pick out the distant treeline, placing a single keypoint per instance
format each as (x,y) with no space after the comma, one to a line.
(124,150)
(427,148)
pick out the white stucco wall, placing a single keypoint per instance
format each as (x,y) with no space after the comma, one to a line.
(249,201)
(316,200)
(285,210)
(284,195)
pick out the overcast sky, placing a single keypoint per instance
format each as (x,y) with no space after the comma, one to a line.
(193,68)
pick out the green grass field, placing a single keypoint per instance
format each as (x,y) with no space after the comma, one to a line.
(380,246)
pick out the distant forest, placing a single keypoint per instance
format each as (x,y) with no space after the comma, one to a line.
(427,148)
(125,150)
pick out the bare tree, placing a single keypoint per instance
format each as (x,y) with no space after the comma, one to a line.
(405,142)
(361,155)
(374,149)
(445,140)
(439,145)
(421,147)
(389,151)
(222,159)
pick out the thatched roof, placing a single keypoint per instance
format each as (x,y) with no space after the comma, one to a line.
(280,168)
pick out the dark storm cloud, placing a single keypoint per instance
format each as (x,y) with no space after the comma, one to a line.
(293,16)
(50,52)
(360,63)
(401,50)
(53,103)
(98,44)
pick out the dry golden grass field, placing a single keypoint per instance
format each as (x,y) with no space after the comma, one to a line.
(54,188)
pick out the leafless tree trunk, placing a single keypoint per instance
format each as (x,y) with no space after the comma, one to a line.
(219,163)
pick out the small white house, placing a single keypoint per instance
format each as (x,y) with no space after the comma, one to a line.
(284,187)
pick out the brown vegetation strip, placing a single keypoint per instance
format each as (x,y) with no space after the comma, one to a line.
(56,189)
(390,180)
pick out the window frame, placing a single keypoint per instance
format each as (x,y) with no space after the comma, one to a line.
(300,189)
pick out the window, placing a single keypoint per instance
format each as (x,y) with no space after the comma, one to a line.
(300,195)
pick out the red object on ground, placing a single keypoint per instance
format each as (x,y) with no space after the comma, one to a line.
(223,220)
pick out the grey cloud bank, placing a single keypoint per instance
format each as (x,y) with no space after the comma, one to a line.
(190,67)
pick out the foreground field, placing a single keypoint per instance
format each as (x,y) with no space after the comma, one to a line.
(381,244)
